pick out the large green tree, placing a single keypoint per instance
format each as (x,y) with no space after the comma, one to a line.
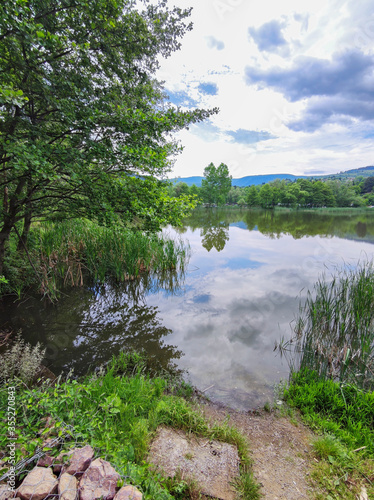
(84,125)
(216,184)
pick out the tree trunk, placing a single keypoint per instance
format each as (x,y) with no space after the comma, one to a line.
(22,242)
(4,237)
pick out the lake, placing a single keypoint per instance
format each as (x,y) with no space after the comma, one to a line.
(248,272)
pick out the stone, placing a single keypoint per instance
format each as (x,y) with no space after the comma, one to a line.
(80,460)
(67,487)
(5,492)
(45,461)
(213,465)
(38,483)
(99,481)
(128,493)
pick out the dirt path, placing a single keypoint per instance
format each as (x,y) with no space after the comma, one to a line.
(281,451)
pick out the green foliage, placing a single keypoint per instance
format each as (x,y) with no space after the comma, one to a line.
(332,379)
(216,184)
(334,329)
(341,409)
(21,360)
(367,185)
(345,415)
(84,125)
(65,253)
(116,412)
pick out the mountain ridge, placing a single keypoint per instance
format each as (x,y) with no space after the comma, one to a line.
(256,180)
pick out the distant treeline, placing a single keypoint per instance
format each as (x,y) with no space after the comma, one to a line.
(303,193)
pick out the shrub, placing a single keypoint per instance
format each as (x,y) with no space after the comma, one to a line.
(21,360)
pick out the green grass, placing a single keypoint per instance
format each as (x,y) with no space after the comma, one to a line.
(341,409)
(332,380)
(117,412)
(67,253)
(335,327)
(343,415)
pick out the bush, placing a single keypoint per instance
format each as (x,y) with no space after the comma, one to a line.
(21,360)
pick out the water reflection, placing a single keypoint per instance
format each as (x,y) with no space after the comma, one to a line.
(241,291)
(214,224)
(88,326)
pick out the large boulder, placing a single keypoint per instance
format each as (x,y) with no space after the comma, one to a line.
(80,460)
(67,487)
(128,493)
(99,481)
(38,484)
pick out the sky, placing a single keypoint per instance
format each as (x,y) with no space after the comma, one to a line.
(293,79)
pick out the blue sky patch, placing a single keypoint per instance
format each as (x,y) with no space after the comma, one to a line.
(208,88)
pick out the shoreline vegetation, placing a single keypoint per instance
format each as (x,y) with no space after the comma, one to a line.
(77,251)
(331,384)
(331,358)
(73,252)
(117,411)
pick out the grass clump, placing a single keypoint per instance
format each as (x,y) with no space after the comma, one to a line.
(335,327)
(332,380)
(344,410)
(116,411)
(67,252)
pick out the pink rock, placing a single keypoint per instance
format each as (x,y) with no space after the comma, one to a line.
(99,481)
(128,493)
(45,461)
(38,483)
(5,492)
(67,487)
(80,460)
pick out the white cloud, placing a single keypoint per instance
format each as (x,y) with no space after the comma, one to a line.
(219,52)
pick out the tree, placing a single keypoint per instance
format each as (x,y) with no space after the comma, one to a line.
(252,196)
(367,185)
(266,196)
(180,189)
(233,195)
(84,125)
(216,184)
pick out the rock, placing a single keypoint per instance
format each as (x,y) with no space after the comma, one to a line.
(67,487)
(45,461)
(80,460)
(38,483)
(99,481)
(5,492)
(128,493)
(213,465)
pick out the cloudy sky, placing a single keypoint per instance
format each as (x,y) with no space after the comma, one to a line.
(294,81)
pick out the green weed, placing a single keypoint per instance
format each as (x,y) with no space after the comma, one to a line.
(117,411)
(67,253)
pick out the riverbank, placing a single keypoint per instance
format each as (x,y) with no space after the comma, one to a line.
(71,253)
(118,410)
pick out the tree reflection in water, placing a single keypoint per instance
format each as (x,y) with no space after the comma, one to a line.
(214,224)
(87,327)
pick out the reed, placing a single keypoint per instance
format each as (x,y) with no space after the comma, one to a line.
(69,251)
(335,327)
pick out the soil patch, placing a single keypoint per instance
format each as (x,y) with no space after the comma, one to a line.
(281,450)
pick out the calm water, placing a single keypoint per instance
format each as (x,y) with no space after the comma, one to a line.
(241,291)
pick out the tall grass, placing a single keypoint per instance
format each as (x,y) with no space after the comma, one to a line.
(335,327)
(68,251)
(332,379)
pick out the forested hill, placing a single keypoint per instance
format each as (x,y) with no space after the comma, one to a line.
(256,180)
